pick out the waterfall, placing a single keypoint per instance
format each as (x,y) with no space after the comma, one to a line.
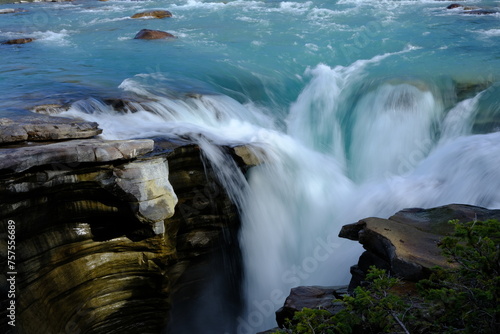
(458,121)
(394,129)
(351,151)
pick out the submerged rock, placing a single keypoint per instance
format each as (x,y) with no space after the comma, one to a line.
(12,10)
(153,34)
(43,128)
(18,41)
(465,90)
(406,244)
(50,109)
(479,12)
(156,14)
(471,10)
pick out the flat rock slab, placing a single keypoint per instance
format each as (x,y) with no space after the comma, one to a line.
(72,153)
(408,241)
(43,128)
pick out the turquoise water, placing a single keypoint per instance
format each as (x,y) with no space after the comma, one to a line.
(255,50)
(353,105)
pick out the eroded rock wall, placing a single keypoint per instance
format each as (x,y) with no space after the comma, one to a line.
(115,236)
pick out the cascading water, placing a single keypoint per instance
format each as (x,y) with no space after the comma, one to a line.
(346,156)
(349,119)
(390,122)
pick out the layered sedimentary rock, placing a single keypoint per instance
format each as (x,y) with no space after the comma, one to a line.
(406,244)
(114,236)
(43,128)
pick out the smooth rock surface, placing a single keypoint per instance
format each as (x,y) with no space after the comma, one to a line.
(406,244)
(45,128)
(153,34)
(18,41)
(156,14)
(151,194)
(71,153)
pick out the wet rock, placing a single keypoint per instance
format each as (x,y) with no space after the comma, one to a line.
(313,297)
(50,109)
(471,10)
(12,10)
(18,41)
(406,244)
(479,12)
(465,90)
(456,5)
(43,128)
(250,155)
(153,34)
(156,14)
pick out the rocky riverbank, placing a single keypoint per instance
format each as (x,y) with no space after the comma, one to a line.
(111,236)
(405,245)
(138,235)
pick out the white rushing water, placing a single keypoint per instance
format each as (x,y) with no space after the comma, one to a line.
(352,106)
(334,166)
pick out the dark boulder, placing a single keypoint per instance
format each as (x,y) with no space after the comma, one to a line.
(406,244)
(18,41)
(312,297)
(153,34)
(471,10)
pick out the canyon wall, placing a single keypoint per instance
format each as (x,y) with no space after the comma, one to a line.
(112,236)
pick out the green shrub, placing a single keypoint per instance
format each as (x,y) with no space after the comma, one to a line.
(465,299)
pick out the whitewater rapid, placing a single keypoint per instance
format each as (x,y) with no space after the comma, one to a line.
(349,151)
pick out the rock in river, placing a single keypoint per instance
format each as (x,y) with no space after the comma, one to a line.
(43,128)
(153,34)
(153,14)
(18,41)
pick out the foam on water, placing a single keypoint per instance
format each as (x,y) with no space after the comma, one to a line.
(349,122)
(458,121)
(400,119)
(294,204)
(489,33)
